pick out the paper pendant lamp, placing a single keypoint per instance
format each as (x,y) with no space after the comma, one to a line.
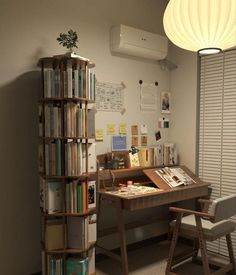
(204,26)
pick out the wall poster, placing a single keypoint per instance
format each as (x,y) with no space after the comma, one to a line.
(110,97)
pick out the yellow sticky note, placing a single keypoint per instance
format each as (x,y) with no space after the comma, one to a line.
(111,129)
(122,129)
(99,134)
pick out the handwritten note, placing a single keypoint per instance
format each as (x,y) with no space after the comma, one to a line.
(110,97)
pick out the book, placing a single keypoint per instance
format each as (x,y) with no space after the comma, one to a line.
(54,197)
(76,83)
(54,238)
(92,161)
(169,154)
(47,85)
(91,123)
(79,198)
(76,266)
(84,196)
(92,228)
(58,158)
(55,264)
(174,176)
(158,155)
(42,193)
(91,194)
(81,83)
(69,79)
(40,158)
(134,160)
(57,82)
(77,232)
(40,115)
(146,156)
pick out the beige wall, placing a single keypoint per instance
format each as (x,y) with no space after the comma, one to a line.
(28,31)
(183,83)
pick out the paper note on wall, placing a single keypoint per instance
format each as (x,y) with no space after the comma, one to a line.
(110,96)
(134,130)
(99,134)
(143,140)
(143,129)
(110,129)
(134,140)
(122,129)
(119,143)
(148,97)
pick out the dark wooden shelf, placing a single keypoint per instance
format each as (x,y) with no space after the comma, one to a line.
(66,99)
(70,250)
(67,137)
(84,175)
(64,214)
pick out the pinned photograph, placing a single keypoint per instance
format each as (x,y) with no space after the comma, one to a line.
(165,103)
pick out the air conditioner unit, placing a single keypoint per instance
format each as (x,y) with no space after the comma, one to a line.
(135,42)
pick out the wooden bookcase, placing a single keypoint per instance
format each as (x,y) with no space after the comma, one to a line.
(67,165)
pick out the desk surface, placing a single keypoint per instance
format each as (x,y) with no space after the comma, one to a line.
(158,198)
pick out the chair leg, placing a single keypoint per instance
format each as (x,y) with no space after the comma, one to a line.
(202,244)
(231,252)
(195,248)
(173,244)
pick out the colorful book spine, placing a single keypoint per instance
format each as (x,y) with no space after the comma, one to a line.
(76,266)
(81,82)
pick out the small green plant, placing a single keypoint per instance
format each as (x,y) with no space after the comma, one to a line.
(68,40)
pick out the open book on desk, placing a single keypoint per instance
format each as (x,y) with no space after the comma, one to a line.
(167,178)
(174,176)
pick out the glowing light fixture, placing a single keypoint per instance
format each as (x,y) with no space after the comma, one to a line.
(204,26)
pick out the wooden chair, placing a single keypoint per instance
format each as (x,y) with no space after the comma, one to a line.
(202,227)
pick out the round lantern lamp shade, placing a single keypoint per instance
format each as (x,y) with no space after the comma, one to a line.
(204,26)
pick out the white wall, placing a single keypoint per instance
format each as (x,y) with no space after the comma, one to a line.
(183,83)
(28,31)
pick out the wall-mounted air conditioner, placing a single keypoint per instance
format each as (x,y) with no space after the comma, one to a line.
(135,42)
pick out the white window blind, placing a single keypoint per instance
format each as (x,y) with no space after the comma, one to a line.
(217,129)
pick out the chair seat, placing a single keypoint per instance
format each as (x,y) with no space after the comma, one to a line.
(211,231)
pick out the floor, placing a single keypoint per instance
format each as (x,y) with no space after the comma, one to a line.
(148,260)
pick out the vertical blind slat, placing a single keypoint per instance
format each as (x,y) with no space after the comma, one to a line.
(217,128)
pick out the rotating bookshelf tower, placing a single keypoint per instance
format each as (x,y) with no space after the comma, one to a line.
(67,165)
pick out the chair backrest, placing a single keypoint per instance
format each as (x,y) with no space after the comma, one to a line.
(223,208)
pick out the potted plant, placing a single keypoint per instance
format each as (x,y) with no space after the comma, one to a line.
(68,40)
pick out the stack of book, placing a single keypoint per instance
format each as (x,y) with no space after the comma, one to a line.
(73,78)
(81,232)
(74,120)
(80,196)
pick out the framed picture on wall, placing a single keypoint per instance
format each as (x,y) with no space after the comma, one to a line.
(165,102)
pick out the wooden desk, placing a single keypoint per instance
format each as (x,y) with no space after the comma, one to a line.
(142,202)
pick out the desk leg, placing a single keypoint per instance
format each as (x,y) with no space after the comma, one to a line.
(99,202)
(121,232)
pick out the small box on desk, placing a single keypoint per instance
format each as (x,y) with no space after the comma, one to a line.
(113,160)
